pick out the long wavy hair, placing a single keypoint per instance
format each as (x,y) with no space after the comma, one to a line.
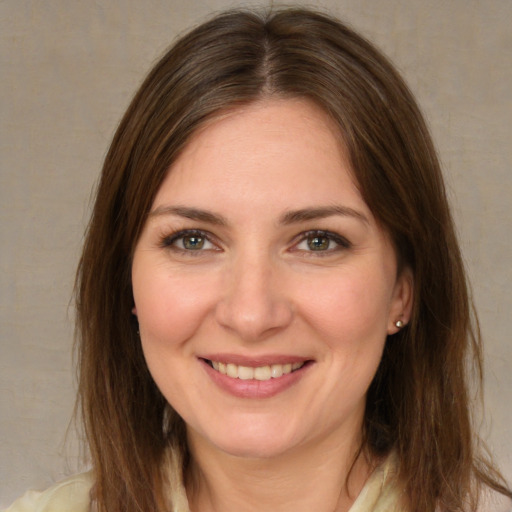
(419,403)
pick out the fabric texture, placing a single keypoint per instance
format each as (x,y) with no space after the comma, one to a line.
(70,495)
(381,493)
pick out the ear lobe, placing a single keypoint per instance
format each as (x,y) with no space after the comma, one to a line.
(401,306)
(134,311)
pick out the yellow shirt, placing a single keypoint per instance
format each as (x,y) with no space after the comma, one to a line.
(379,494)
(72,495)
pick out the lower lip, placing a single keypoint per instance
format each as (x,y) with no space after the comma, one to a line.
(255,388)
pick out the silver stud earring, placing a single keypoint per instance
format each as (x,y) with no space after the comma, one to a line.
(399,324)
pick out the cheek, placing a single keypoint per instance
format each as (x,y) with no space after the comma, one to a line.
(170,307)
(350,310)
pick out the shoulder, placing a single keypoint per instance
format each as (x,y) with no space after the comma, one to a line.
(69,495)
(382,491)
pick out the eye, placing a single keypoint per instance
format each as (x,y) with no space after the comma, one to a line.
(321,241)
(189,241)
(193,242)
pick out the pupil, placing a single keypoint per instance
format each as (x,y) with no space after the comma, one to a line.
(193,242)
(318,243)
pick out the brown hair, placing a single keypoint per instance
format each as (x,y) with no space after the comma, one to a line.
(418,403)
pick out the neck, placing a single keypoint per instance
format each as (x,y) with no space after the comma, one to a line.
(323,476)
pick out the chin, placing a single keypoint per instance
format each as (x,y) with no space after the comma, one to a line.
(250,439)
(256,448)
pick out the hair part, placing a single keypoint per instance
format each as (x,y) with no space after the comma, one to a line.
(418,403)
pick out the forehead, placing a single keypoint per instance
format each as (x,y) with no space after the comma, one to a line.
(269,151)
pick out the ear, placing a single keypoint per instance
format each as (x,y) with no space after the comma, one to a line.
(401,303)
(134,311)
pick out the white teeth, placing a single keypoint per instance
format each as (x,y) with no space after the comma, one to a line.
(232,370)
(276,370)
(267,372)
(262,373)
(245,373)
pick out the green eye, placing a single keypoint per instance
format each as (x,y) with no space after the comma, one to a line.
(318,243)
(321,242)
(193,242)
(188,241)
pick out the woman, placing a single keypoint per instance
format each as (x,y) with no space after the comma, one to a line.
(272,307)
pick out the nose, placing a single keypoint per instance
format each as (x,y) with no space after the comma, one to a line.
(254,304)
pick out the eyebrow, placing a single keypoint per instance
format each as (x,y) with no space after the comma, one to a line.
(190,213)
(291,217)
(321,213)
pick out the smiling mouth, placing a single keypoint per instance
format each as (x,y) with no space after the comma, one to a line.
(267,372)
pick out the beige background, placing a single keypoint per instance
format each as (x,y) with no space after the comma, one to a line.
(68,70)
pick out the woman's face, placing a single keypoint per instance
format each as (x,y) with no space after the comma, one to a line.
(263,286)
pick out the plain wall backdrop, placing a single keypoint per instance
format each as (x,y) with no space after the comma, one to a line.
(68,71)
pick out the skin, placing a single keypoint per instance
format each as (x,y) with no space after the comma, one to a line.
(261,285)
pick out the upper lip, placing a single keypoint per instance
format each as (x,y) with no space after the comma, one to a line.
(255,361)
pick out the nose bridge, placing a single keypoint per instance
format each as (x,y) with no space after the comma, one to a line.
(254,303)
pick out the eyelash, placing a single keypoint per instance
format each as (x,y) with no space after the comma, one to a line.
(169,241)
(341,242)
